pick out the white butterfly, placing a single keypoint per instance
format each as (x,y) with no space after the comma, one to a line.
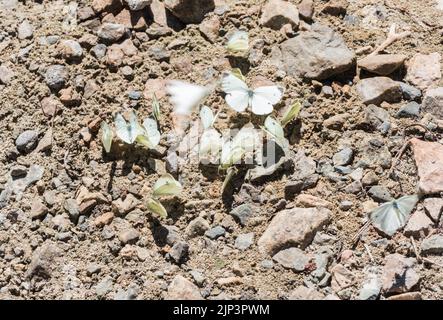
(132,131)
(128,131)
(393,215)
(238,42)
(247,141)
(151,136)
(166,185)
(275,129)
(107,136)
(185,97)
(239,96)
(207,117)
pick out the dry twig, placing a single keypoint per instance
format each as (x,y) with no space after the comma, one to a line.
(392,37)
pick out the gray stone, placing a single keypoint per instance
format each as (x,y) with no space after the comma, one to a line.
(56,77)
(380,193)
(99,50)
(345,205)
(315,54)
(215,232)
(343,157)
(433,102)
(129,294)
(198,277)
(409,110)
(27,141)
(104,286)
(197,227)
(376,118)
(432,245)
(159,53)
(6,75)
(242,213)
(409,92)
(378,89)
(25,30)
(179,252)
(71,50)
(244,240)
(73,209)
(371,286)
(190,11)
(129,236)
(292,258)
(43,261)
(111,32)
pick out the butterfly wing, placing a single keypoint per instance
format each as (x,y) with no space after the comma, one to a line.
(264,99)
(385,219)
(123,129)
(237,92)
(238,42)
(167,185)
(207,117)
(107,136)
(274,128)
(185,97)
(152,134)
(405,205)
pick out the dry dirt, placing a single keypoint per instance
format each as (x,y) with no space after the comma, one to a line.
(143,267)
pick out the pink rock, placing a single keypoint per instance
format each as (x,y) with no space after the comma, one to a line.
(306,9)
(304,293)
(398,274)
(293,227)
(433,207)
(277,13)
(418,223)
(157,86)
(182,289)
(341,277)
(424,70)
(209,28)
(429,160)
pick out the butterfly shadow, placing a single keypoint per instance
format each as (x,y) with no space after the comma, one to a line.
(234,186)
(239,62)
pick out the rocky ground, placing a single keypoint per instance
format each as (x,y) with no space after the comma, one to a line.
(73,224)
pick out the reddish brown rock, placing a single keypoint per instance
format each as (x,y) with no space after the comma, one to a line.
(50,105)
(433,102)
(429,160)
(157,86)
(132,19)
(293,227)
(382,64)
